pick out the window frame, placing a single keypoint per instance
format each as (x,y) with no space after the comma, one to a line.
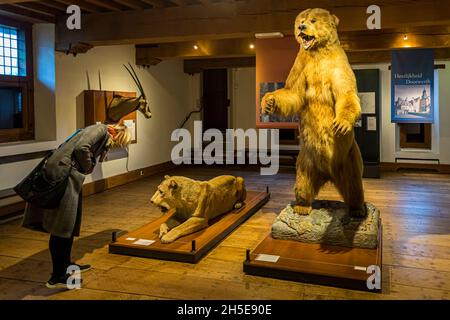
(427,132)
(26,83)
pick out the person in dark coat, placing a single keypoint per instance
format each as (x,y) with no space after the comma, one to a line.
(77,157)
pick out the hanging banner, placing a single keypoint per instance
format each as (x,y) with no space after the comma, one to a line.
(412,86)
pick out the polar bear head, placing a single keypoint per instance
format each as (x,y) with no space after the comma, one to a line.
(316,28)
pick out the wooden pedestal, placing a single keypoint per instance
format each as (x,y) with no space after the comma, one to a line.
(315,263)
(190,248)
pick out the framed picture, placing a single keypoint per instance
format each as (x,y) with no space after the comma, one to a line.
(274,120)
(274,60)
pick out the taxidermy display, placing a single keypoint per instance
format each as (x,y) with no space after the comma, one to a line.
(321,89)
(121,106)
(195,203)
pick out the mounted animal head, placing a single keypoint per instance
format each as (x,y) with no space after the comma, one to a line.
(121,106)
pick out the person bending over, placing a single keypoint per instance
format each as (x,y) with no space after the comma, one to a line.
(76,158)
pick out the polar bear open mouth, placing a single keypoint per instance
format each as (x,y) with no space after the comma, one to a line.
(307,40)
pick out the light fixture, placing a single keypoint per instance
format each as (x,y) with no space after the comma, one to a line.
(195,47)
(252,46)
(405,37)
(269,35)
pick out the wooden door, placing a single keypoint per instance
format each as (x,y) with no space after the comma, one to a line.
(215,99)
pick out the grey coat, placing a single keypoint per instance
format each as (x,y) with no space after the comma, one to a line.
(80,153)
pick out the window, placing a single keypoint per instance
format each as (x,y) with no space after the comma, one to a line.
(12,51)
(16,81)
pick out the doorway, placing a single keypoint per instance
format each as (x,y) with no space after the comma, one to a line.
(215,99)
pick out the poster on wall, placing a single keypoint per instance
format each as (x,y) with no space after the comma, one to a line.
(412,81)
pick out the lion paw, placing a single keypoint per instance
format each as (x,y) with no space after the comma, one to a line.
(301,210)
(163,230)
(167,239)
(268,104)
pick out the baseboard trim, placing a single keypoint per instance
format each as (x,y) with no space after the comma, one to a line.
(15,210)
(433,167)
(124,178)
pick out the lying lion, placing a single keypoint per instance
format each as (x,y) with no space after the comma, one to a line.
(196,203)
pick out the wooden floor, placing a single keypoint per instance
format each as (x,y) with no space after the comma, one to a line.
(415,209)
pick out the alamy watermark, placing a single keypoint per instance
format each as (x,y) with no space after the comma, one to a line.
(73,22)
(374,280)
(74,280)
(230,147)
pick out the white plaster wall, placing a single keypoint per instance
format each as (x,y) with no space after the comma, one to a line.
(171,93)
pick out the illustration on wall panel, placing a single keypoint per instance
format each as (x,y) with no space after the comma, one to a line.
(266,87)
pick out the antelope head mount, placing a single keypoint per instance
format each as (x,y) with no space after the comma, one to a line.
(121,106)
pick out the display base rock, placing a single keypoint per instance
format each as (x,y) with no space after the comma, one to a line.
(329,223)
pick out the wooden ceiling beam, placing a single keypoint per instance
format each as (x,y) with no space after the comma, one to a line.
(156,3)
(363,57)
(180,3)
(19,12)
(351,42)
(40,8)
(83,4)
(107,4)
(54,4)
(203,49)
(133,4)
(239,19)
(198,65)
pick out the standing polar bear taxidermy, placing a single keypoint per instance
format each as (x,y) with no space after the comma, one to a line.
(196,203)
(321,89)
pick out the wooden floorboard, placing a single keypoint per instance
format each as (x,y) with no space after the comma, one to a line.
(416,246)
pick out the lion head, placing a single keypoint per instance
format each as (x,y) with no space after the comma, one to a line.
(166,198)
(315,28)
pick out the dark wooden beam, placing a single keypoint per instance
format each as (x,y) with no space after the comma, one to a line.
(54,4)
(180,3)
(198,65)
(156,3)
(40,8)
(107,4)
(133,4)
(196,49)
(83,4)
(240,19)
(26,13)
(363,57)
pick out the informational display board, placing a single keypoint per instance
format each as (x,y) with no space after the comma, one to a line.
(412,86)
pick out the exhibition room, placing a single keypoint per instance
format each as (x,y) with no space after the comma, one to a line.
(224,150)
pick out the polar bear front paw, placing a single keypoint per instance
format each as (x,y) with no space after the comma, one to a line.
(341,126)
(268,104)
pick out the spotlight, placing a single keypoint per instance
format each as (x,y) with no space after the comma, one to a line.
(195,47)
(252,46)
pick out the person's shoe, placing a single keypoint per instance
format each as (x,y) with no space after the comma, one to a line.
(60,282)
(82,267)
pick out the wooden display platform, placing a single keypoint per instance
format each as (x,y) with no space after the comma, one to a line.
(190,248)
(314,263)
